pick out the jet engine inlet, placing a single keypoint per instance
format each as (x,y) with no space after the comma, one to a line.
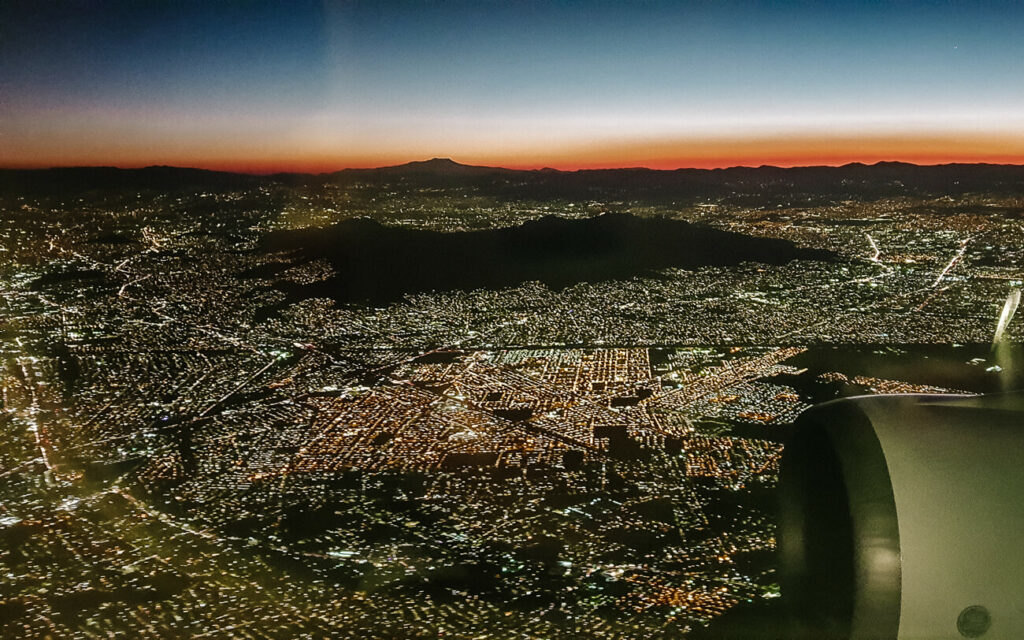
(900,517)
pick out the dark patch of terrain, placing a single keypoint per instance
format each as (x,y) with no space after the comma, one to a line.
(379,264)
(70,275)
(927,364)
(766,620)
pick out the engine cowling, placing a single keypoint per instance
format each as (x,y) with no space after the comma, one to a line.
(902,517)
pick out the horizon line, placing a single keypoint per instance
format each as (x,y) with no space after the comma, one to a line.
(216,168)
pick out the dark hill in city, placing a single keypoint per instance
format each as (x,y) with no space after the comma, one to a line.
(378,264)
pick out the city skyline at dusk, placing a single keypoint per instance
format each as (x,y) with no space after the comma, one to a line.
(314,87)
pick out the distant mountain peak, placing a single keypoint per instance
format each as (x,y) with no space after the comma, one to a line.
(434,167)
(436,163)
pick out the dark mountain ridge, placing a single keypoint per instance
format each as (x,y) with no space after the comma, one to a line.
(429,168)
(854,180)
(73,180)
(379,264)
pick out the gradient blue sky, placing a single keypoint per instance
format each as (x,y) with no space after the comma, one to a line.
(323,85)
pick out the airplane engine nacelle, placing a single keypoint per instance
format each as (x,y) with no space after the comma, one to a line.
(903,517)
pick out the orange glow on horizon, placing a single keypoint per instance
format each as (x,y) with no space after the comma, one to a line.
(793,151)
(696,153)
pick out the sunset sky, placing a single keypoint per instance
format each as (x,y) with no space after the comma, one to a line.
(319,86)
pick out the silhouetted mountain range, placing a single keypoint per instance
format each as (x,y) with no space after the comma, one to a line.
(433,168)
(379,264)
(849,181)
(73,180)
